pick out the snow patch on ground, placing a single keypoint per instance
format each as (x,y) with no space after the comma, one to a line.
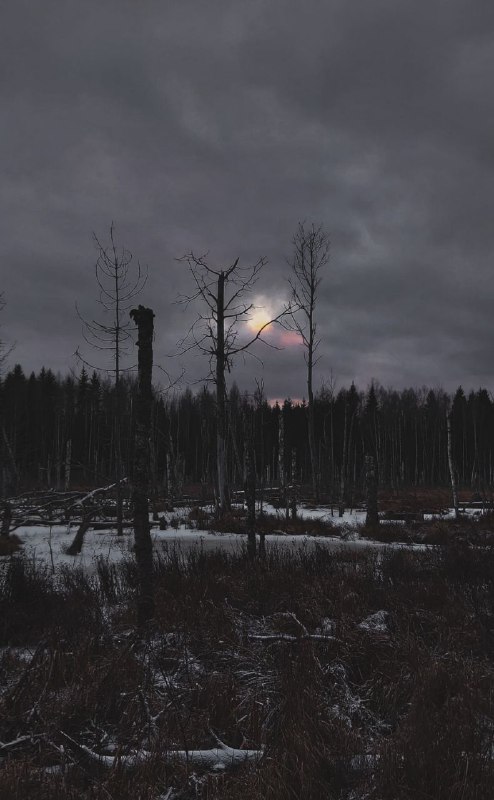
(48,545)
(320,512)
(375,623)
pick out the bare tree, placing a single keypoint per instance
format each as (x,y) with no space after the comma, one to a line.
(281,459)
(451,464)
(119,281)
(216,332)
(372,515)
(250,480)
(143,318)
(5,350)
(2,346)
(310,256)
(6,454)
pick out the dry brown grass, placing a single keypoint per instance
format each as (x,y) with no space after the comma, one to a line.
(396,708)
(9,544)
(235,522)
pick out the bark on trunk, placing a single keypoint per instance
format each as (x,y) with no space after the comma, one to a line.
(220,397)
(452,473)
(250,487)
(143,318)
(372,516)
(78,540)
(311,432)
(341,505)
(293,498)
(6,520)
(68,461)
(119,498)
(281,458)
(171,479)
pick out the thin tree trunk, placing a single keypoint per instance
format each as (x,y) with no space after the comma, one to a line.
(15,473)
(293,499)
(6,520)
(341,505)
(332,484)
(372,516)
(68,457)
(260,402)
(118,470)
(452,474)
(78,540)
(237,464)
(310,409)
(220,398)
(250,485)
(118,409)
(281,458)
(143,318)
(171,477)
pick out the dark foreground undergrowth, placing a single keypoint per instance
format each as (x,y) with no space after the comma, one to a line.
(354,677)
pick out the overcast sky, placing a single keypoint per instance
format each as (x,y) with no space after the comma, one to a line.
(216,125)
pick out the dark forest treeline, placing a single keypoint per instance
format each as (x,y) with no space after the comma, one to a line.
(60,432)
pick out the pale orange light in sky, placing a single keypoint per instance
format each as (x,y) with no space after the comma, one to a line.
(260,315)
(258,319)
(289,338)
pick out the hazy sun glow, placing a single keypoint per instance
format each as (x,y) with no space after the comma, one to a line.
(265,310)
(260,315)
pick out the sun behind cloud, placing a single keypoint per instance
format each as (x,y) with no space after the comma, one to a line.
(261,314)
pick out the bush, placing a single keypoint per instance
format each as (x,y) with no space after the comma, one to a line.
(9,544)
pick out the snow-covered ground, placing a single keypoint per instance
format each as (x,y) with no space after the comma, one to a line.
(45,544)
(349,518)
(48,545)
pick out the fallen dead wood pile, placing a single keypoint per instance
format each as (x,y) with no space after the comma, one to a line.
(55,508)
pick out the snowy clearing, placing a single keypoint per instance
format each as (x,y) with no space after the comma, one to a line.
(48,544)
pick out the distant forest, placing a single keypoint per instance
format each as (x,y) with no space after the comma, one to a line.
(60,432)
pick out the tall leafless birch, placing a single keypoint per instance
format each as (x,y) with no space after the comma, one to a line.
(310,256)
(452,471)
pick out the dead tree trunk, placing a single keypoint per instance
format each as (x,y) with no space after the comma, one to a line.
(250,485)
(221,398)
(221,292)
(68,462)
(293,498)
(452,473)
(14,480)
(118,462)
(341,504)
(6,520)
(310,256)
(171,467)
(143,318)
(281,458)
(372,516)
(78,540)
(310,424)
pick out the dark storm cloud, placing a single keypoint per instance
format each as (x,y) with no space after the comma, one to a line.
(216,127)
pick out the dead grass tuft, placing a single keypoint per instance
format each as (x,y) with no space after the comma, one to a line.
(9,544)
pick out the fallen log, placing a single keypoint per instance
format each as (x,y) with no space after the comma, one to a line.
(78,540)
(215,758)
